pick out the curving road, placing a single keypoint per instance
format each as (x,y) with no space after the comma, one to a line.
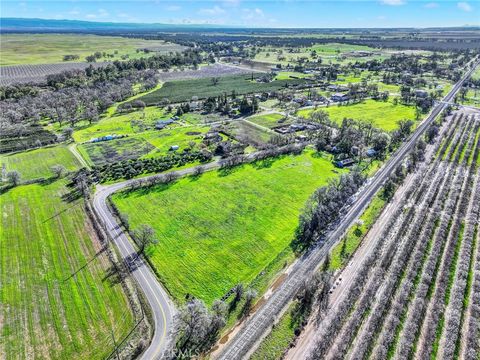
(249,337)
(161,306)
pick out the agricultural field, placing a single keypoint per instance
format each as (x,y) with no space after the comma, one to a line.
(334,53)
(19,49)
(57,299)
(146,144)
(383,114)
(425,273)
(269,120)
(36,164)
(238,219)
(105,152)
(122,124)
(185,90)
(37,73)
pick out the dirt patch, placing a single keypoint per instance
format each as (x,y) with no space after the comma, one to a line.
(279,281)
(193,133)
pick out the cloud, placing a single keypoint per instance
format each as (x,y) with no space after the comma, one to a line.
(216,10)
(431,5)
(251,14)
(231,2)
(173,8)
(100,14)
(393,2)
(464,6)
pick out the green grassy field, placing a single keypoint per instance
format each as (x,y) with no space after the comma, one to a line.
(224,227)
(327,52)
(184,90)
(151,143)
(343,250)
(50,48)
(116,150)
(57,302)
(275,343)
(122,124)
(268,120)
(383,115)
(36,164)
(181,136)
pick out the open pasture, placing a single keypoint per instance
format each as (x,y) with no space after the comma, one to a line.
(268,120)
(37,163)
(57,298)
(185,90)
(383,114)
(18,49)
(224,227)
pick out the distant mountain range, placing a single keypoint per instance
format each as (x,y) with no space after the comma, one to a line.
(16,25)
(50,25)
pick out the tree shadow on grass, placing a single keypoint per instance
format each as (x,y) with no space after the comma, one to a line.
(265,163)
(225,171)
(122,269)
(61,212)
(100,252)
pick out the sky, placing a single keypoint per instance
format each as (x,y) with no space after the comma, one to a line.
(263,13)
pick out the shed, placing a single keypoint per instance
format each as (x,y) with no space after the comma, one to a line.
(340,97)
(344,163)
(174,147)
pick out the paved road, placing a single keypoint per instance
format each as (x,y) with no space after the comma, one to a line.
(161,306)
(260,323)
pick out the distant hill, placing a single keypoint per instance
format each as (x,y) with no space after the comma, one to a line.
(49,25)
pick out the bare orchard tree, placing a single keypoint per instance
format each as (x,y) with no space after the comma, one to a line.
(191,327)
(198,170)
(58,171)
(13,177)
(250,295)
(144,235)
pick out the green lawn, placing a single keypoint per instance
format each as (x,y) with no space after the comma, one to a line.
(268,120)
(184,90)
(50,48)
(224,227)
(57,302)
(36,164)
(383,115)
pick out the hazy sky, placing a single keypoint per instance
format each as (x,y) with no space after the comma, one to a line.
(264,13)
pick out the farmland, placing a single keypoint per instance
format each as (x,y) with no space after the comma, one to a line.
(334,53)
(206,224)
(425,273)
(35,164)
(22,74)
(19,49)
(184,90)
(383,115)
(268,120)
(57,302)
